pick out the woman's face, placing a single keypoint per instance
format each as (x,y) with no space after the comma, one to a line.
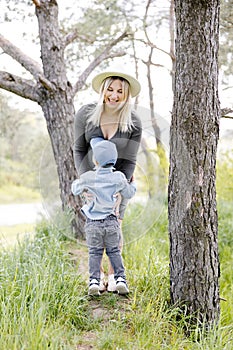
(114,95)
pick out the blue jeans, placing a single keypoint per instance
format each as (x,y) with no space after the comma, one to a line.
(100,235)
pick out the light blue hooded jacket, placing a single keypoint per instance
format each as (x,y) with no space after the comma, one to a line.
(103,183)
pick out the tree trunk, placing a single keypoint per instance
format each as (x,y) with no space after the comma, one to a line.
(58,108)
(194,261)
(172,39)
(59,117)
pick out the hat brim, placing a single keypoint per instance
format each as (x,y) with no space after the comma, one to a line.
(134,84)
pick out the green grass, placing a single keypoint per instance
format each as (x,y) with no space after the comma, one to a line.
(11,193)
(44,302)
(9,235)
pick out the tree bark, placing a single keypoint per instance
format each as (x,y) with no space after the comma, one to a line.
(194,261)
(57,105)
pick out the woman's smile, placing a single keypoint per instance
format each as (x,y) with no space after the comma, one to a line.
(114,94)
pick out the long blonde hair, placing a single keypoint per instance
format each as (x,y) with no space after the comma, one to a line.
(125,120)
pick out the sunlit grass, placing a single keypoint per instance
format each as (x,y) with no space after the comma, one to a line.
(44,302)
(11,193)
(9,235)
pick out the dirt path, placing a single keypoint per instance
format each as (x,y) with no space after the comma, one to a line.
(100,306)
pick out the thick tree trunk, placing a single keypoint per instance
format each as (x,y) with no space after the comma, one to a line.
(59,117)
(57,105)
(194,261)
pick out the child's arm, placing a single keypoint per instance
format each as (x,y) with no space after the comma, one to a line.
(128,189)
(80,186)
(76,187)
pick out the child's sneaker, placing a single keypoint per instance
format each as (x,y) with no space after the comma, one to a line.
(102,286)
(94,288)
(111,283)
(121,286)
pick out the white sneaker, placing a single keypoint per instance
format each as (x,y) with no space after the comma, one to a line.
(121,286)
(111,283)
(94,288)
(102,286)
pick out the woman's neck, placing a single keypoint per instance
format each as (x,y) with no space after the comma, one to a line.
(114,112)
(112,115)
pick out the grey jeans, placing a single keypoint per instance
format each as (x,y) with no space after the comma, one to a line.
(100,235)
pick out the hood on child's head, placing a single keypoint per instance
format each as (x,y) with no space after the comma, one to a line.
(104,151)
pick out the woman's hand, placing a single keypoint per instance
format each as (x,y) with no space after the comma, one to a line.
(117,203)
(88,197)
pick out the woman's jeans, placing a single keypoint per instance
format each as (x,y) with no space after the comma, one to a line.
(104,234)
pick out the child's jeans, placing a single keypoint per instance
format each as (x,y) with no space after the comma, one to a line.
(104,234)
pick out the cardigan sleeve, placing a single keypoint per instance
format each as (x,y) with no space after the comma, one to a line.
(80,144)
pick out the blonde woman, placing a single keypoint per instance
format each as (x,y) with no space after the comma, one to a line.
(111,118)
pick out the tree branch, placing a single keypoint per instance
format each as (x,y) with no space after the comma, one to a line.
(228,87)
(36,3)
(28,63)
(154,46)
(225,112)
(147,63)
(70,37)
(21,87)
(101,57)
(226,116)
(149,42)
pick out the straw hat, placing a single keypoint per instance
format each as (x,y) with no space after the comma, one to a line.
(134,84)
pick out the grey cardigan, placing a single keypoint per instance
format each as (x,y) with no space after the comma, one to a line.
(127,143)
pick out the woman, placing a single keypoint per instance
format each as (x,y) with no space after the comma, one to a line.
(111,119)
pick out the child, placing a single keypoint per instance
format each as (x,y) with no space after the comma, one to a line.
(102,227)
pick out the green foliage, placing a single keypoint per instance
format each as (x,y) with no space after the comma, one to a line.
(98,24)
(152,174)
(15,172)
(41,295)
(226,259)
(104,15)
(224,178)
(10,193)
(148,321)
(226,38)
(44,303)
(22,139)
(163,159)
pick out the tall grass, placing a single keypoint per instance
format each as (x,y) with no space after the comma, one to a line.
(44,302)
(149,320)
(41,296)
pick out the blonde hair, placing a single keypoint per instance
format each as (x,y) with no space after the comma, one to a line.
(125,120)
